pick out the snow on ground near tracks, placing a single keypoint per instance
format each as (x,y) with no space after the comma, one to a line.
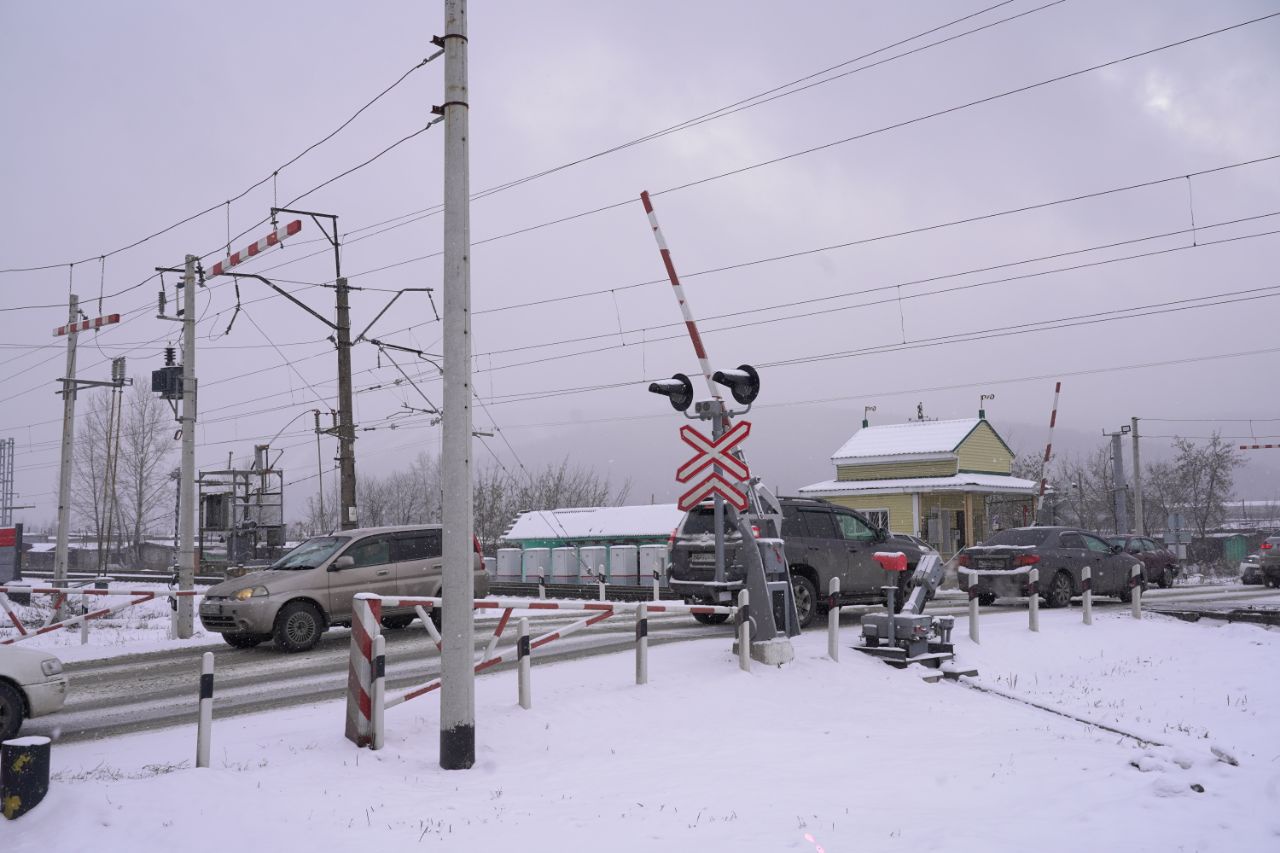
(850,756)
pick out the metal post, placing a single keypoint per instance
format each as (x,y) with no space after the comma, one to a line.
(1135,583)
(1139,522)
(1033,601)
(1086,587)
(68,442)
(522,653)
(379,695)
(542,586)
(205,725)
(187,519)
(642,644)
(600,581)
(657,595)
(457,699)
(319,467)
(346,420)
(973,606)
(744,631)
(833,621)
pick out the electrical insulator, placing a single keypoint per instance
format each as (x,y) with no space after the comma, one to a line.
(170,356)
(161,301)
(117,371)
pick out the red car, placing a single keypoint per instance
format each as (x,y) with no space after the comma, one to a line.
(1160,565)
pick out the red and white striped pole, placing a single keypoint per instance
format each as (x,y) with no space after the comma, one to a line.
(366,623)
(272,239)
(1048,451)
(689,322)
(1260,447)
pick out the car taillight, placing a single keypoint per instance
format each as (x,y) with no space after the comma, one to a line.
(755,530)
(1266,546)
(1026,560)
(671,540)
(963,561)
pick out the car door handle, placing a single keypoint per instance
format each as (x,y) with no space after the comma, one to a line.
(382,572)
(815,547)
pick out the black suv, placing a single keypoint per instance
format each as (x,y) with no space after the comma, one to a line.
(822,541)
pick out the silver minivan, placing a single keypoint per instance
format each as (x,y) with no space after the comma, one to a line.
(306,591)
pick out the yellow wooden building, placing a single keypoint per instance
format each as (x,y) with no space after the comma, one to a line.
(932,479)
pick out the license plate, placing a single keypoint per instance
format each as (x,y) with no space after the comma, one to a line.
(991,564)
(702,559)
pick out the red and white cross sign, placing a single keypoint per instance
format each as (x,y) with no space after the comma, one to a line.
(712,452)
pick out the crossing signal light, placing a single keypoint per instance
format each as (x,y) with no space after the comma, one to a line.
(678,389)
(743,383)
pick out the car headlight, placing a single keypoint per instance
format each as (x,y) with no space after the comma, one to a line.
(51,666)
(251,592)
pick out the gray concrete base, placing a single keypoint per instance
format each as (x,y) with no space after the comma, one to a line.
(773,652)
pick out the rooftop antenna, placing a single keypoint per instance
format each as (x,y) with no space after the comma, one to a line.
(982,409)
(866,410)
(920,411)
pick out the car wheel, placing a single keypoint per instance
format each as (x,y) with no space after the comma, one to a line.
(806,597)
(711,618)
(298,626)
(1059,592)
(11,710)
(986,599)
(1165,580)
(244,641)
(396,623)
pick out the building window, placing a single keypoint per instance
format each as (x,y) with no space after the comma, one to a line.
(878,517)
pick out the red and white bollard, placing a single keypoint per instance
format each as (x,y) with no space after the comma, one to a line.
(642,644)
(1135,585)
(1033,600)
(833,620)
(1086,589)
(205,724)
(366,623)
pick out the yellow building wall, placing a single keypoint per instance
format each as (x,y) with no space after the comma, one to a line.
(899,507)
(983,452)
(897,470)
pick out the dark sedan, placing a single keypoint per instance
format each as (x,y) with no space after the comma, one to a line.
(1160,565)
(1001,565)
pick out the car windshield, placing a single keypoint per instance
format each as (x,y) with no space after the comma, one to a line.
(311,553)
(1022,536)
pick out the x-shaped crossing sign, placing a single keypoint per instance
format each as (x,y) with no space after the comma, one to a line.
(711,452)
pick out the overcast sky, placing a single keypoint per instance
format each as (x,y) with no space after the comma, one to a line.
(124,118)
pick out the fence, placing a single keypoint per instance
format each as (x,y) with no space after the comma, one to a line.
(135,596)
(366,674)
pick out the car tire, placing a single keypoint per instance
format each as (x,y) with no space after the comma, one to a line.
(399,622)
(298,626)
(12,708)
(244,641)
(806,596)
(711,618)
(986,599)
(1058,593)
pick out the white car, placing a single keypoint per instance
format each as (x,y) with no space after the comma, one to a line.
(31,685)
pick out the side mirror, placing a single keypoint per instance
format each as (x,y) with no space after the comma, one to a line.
(882,535)
(344,562)
(1116,549)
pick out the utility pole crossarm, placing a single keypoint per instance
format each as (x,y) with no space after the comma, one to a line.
(287,295)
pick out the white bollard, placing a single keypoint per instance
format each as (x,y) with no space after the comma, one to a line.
(522,654)
(973,606)
(205,723)
(542,586)
(600,581)
(1086,587)
(1135,583)
(833,621)
(84,625)
(657,596)
(744,631)
(379,693)
(1033,602)
(642,644)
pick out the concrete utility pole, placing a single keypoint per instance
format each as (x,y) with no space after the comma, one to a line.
(1118,487)
(68,442)
(187,482)
(1139,521)
(346,420)
(457,688)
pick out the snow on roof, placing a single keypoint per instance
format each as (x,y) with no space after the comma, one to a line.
(914,438)
(958,483)
(596,522)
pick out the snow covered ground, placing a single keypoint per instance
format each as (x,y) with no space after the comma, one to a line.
(814,755)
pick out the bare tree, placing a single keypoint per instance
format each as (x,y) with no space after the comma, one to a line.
(1208,476)
(89,460)
(143,482)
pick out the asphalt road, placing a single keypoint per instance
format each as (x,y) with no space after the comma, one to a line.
(158,689)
